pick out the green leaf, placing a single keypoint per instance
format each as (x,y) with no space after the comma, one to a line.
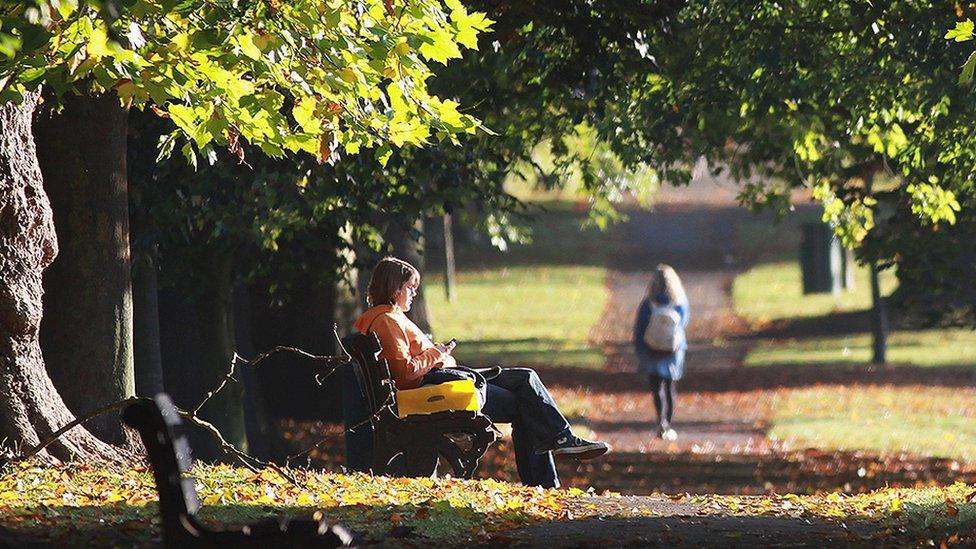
(304,113)
(183,117)
(383,154)
(248,47)
(438,45)
(966,76)
(962,32)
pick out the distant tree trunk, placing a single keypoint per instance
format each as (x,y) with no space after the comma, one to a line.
(407,239)
(226,409)
(197,341)
(303,317)
(145,306)
(145,325)
(449,267)
(879,315)
(86,334)
(30,407)
(879,320)
(261,436)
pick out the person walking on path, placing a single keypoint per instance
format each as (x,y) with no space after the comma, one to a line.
(660,342)
(514,395)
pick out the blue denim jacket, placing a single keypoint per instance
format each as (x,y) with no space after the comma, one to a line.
(667,366)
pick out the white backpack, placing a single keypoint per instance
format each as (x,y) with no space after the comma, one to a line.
(662,330)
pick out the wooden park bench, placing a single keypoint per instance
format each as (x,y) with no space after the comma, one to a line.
(410,446)
(169,453)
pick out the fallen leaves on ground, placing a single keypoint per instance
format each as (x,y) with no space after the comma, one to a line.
(938,513)
(56,503)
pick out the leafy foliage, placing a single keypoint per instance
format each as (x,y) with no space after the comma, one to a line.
(858,101)
(318,77)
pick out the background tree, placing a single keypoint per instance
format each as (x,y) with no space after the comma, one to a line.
(823,95)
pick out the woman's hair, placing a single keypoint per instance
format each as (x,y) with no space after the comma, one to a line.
(666,284)
(388,277)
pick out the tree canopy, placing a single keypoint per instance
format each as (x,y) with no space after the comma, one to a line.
(858,102)
(319,77)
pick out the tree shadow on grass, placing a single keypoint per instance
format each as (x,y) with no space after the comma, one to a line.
(833,324)
(785,376)
(694,531)
(121,524)
(801,472)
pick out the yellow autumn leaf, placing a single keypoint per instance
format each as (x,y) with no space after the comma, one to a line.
(98,43)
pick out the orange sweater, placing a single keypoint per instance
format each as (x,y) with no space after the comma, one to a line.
(407,349)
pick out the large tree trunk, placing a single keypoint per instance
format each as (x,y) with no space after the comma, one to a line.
(86,334)
(30,407)
(407,240)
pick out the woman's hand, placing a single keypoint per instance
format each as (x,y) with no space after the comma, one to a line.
(446,348)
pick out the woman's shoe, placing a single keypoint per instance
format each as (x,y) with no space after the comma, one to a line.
(669,434)
(579,448)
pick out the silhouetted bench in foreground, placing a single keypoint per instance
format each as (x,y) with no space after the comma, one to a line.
(386,443)
(159,426)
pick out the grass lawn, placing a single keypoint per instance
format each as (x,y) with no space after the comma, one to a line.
(922,420)
(925,420)
(946,347)
(533,305)
(774,291)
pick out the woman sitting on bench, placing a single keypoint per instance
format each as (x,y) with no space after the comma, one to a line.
(515,395)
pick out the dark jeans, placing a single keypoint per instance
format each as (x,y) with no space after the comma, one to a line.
(517,396)
(665,393)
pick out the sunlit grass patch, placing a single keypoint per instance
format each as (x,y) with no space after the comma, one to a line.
(57,503)
(921,420)
(525,315)
(774,291)
(936,347)
(533,305)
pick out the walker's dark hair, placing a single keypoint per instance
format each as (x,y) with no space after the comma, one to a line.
(388,277)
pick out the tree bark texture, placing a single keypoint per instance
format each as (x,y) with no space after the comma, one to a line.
(86,334)
(407,240)
(30,407)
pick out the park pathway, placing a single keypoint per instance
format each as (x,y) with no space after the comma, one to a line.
(694,229)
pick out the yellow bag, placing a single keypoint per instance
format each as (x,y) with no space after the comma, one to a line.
(430,399)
